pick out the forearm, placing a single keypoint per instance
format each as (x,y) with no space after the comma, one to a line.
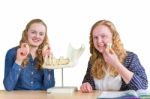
(126,74)
(49,80)
(134,81)
(11,78)
(138,82)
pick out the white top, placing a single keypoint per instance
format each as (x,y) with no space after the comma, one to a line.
(108,83)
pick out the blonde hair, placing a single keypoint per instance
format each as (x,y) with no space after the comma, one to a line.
(24,39)
(97,60)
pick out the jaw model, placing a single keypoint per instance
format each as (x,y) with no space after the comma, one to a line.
(71,59)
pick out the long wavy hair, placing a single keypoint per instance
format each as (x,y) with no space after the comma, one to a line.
(24,39)
(97,60)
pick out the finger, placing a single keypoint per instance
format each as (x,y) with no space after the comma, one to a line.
(46,50)
(83,88)
(86,88)
(111,51)
(89,87)
(108,47)
(24,49)
(23,53)
(25,45)
(49,48)
(19,51)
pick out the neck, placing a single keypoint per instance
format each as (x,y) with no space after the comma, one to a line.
(33,51)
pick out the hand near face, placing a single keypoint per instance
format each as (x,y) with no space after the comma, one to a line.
(86,88)
(108,47)
(22,53)
(110,57)
(46,52)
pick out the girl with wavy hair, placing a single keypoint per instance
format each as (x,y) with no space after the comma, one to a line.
(110,66)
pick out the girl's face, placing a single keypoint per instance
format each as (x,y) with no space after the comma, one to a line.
(36,34)
(101,37)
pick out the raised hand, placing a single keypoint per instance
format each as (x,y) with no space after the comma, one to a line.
(22,53)
(46,52)
(110,56)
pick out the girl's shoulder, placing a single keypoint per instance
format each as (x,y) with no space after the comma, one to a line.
(131,54)
(12,51)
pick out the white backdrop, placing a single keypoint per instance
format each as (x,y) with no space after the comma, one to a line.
(70,21)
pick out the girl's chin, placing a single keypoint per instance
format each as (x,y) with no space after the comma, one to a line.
(33,45)
(101,50)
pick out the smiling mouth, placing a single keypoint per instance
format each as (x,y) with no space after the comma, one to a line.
(101,45)
(35,40)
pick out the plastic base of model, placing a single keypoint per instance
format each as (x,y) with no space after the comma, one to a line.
(62,90)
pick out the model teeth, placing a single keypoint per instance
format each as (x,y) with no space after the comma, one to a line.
(52,61)
(109,45)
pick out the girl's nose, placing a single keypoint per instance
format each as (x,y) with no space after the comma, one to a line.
(99,40)
(37,35)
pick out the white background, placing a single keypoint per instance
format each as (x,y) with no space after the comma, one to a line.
(70,21)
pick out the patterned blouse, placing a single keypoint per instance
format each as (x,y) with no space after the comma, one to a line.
(132,63)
